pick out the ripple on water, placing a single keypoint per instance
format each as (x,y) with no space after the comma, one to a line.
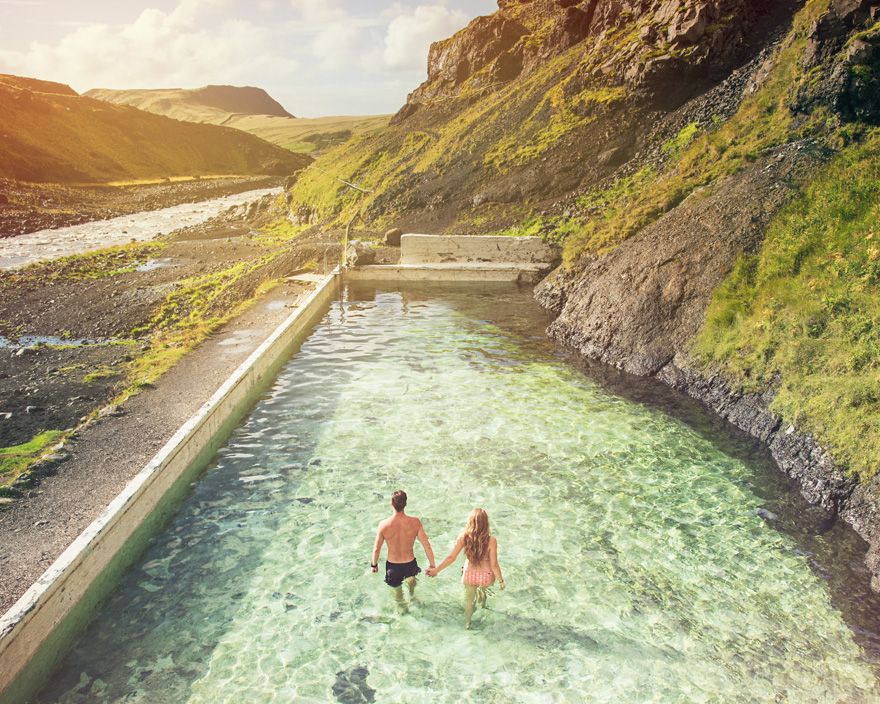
(639,565)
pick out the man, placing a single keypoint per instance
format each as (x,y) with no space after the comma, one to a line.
(400,532)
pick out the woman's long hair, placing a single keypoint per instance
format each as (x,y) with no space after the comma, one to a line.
(476,537)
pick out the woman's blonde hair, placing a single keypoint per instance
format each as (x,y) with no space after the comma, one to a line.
(475,538)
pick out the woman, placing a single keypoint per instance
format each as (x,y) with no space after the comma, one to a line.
(481,561)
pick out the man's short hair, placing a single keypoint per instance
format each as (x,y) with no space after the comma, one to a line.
(398,500)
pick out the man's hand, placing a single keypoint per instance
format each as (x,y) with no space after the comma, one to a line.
(374,568)
(431,571)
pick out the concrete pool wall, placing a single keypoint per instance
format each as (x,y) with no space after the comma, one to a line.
(37,631)
(450,258)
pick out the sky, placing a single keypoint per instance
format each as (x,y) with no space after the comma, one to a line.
(316,57)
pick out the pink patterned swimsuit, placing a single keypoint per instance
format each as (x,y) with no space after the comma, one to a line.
(476,579)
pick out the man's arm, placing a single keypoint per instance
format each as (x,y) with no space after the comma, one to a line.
(423,539)
(377,549)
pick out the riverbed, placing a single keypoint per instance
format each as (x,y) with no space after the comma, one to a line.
(17,252)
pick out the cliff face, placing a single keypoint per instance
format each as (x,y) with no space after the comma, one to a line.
(662,50)
(532,106)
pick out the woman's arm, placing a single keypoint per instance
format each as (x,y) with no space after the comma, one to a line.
(493,560)
(450,558)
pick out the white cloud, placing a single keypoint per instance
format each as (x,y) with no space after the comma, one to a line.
(319,13)
(338,46)
(158,49)
(411,32)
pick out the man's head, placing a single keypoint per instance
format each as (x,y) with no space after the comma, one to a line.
(398,500)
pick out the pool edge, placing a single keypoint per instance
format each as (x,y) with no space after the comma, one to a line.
(37,630)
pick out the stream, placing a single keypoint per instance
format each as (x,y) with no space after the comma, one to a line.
(17,252)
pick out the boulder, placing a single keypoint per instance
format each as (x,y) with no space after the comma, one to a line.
(111,411)
(853,11)
(358,254)
(392,237)
(570,29)
(689,26)
(667,11)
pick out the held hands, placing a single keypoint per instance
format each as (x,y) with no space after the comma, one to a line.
(431,571)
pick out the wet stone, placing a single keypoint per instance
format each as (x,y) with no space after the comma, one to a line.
(351,686)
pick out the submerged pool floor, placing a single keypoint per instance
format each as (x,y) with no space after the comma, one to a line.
(639,559)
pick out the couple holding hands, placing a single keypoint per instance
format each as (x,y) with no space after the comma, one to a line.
(480,550)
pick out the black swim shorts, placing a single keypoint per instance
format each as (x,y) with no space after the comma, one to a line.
(396,572)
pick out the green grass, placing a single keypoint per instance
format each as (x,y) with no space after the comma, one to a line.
(14,460)
(806,310)
(197,307)
(93,265)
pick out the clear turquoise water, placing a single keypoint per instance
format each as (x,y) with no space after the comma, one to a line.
(639,559)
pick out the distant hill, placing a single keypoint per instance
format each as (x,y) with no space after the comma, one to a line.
(212,104)
(247,109)
(52,134)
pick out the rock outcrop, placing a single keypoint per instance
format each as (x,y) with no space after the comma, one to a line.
(845,63)
(670,48)
(639,305)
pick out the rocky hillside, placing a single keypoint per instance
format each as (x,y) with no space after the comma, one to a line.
(250,110)
(697,160)
(546,99)
(52,134)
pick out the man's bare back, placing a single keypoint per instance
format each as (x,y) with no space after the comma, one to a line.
(400,533)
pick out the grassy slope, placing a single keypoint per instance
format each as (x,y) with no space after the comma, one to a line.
(803,313)
(807,308)
(298,134)
(306,135)
(485,135)
(69,139)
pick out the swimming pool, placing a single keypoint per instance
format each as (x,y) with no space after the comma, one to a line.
(640,548)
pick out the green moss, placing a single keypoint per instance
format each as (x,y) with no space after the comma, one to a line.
(678,143)
(106,262)
(14,460)
(862,72)
(278,232)
(807,309)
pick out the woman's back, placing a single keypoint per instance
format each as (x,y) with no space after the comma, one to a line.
(482,563)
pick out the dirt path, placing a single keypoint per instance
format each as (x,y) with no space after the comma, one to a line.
(105,456)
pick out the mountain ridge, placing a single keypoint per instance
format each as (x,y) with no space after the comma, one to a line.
(218,101)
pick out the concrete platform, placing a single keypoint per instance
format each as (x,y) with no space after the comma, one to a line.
(476,272)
